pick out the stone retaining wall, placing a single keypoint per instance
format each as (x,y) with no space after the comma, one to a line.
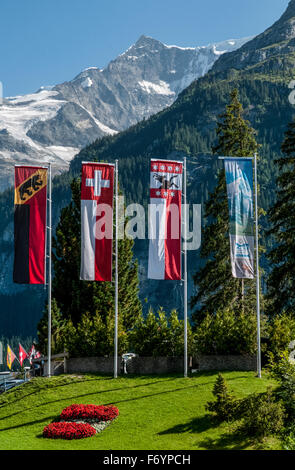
(155,365)
(246,363)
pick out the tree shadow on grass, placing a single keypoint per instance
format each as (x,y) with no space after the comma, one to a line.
(196,425)
(229,440)
(30,423)
(97,392)
(34,389)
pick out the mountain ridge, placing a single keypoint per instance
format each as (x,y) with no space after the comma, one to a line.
(187,127)
(277,39)
(54,123)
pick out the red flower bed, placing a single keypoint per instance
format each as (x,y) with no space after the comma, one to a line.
(99,413)
(66,430)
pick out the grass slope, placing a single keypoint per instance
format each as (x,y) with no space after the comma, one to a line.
(156,413)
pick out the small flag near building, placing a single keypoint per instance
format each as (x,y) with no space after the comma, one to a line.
(97,194)
(10,357)
(22,354)
(165,220)
(30,198)
(239,182)
(33,354)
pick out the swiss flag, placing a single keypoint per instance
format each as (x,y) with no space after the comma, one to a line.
(22,354)
(97,192)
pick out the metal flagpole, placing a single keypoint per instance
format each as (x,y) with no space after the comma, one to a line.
(257,271)
(116,275)
(185,267)
(257,263)
(49,227)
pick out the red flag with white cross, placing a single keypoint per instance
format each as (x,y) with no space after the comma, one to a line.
(22,354)
(97,189)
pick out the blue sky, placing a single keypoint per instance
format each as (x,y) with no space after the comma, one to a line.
(45,42)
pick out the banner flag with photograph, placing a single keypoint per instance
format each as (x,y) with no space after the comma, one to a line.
(97,194)
(30,200)
(10,357)
(239,182)
(165,220)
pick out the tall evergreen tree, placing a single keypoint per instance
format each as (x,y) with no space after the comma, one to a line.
(216,288)
(281,280)
(74,297)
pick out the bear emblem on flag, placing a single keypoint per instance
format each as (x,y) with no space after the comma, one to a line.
(165,220)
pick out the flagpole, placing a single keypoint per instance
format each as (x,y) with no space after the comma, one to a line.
(257,271)
(116,274)
(185,268)
(49,266)
(257,261)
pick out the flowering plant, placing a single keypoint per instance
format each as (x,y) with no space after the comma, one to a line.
(68,430)
(89,412)
(79,421)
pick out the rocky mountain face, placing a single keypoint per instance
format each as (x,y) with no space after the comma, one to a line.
(54,123)
(190,125)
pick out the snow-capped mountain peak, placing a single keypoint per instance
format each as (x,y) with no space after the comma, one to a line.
(54,123)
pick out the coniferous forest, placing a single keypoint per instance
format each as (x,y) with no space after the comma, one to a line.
(190,127)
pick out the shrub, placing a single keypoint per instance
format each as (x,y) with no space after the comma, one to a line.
(160,335)
(224,407)
(94,336)
(227,333)
(284,372)
(259,414)
(262,415)
(68,430)
(281,331)
(289,439)
(93,412)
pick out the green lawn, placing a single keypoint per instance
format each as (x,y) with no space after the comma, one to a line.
(156,413)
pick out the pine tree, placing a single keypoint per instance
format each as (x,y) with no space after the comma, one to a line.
(281,280)
(58,327)
(76,298)
(224,406)
(216,288)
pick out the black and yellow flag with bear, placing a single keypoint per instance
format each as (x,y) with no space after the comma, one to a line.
(30,198)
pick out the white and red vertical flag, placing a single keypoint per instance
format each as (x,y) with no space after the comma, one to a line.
(33,354)
(97,194)
(165,220)
(22,354)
